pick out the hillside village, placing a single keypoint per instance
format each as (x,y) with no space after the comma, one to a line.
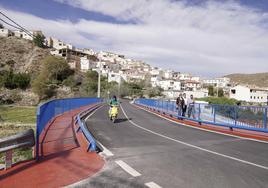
(118,68)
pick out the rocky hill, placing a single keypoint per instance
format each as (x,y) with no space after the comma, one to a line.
(258,79)
(25,56)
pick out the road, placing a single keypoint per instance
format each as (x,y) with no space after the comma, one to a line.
(145,150)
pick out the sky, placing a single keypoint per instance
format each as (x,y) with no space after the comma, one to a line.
(208,38)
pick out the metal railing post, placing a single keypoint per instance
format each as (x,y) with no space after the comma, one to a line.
(162,105)
(235,114)
(37,135)
(265,118)
(214,114)
(199,111)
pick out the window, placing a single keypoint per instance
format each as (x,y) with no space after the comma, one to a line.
(251,97)
(254,97)
(233,91)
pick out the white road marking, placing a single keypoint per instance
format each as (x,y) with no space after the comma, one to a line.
(128,168)
(203,129)
(152,185)
(193,146)
(93,113)
(105,150)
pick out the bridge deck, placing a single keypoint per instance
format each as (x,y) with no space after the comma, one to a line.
(172,155)
(65,160)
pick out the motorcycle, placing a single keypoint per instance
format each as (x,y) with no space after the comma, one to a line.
(113,113)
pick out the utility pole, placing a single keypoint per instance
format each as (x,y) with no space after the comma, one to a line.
(99,79)
(119,86)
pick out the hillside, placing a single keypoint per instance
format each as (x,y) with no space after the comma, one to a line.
(258,79)
(25,55)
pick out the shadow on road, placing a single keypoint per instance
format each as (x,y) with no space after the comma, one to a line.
(120,120)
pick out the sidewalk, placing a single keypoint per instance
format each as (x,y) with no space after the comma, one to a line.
(63,160)
(236,132)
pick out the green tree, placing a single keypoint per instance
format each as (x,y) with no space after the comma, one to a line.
(56,68)
(90,84)
(210,91)
(8,80)
(154,92)
(39,40)
(22,80)
(54,71)
(42,87)
(219,100)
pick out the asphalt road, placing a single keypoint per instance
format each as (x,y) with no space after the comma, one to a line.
(172,155)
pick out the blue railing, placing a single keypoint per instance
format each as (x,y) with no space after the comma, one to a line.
(47,111)
(241,117)
(92,146)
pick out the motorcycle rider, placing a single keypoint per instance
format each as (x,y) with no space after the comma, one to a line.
(113,102)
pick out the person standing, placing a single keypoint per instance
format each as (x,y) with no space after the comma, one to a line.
(190,106)
(184,104)
(179,105)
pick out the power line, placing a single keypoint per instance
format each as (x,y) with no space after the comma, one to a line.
(22,28)
(9,24)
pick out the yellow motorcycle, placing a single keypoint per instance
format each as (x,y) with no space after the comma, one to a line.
(113,112)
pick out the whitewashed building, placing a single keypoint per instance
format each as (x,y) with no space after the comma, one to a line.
(84,64)
(115,77)
(218,82)
(58,44)
(249,94)
(5,32)
(191,85)
(184,76)
(24,35)
(170,85)
(168,74)
(197,93)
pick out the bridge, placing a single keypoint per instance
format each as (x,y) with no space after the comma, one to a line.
(148,146)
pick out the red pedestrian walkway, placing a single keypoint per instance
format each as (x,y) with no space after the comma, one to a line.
(63,160)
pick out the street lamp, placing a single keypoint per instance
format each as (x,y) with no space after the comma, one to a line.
(99,78)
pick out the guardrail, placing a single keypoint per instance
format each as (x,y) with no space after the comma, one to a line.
(46,112)
(252,118)
(92,145)
(21,140)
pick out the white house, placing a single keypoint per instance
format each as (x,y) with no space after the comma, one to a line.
(173,94)
(5,32)
(24,35)
(170,85)
(155,71)
(248,94)
(84,64)
(58,44)
(114,77)
(197,93)
(168,74)
(155,79)
(218,82)
(191,85)
(184,76)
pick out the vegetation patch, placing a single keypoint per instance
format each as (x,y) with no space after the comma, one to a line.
(14,119)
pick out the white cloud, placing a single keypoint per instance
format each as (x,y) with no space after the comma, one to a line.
(212,39)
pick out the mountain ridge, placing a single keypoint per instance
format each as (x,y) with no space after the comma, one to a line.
(255,79)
